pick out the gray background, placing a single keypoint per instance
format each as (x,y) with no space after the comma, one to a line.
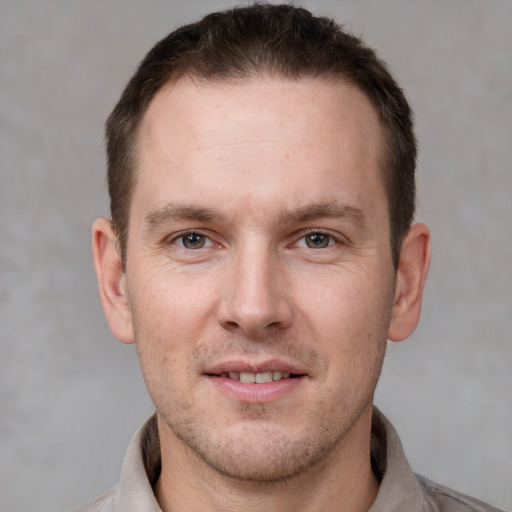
(71,396)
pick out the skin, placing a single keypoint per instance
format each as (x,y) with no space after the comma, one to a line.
(278,187)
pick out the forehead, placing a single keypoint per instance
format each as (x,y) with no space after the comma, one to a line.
(281,101)
(255,137)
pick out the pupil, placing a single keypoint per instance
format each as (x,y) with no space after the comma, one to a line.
(318,240)
(194,241)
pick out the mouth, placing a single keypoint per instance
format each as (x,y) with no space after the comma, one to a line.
(257,382)
(256,378)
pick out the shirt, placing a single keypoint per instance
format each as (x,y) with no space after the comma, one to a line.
(400,489)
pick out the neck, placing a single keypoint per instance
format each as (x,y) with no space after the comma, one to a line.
(343,481)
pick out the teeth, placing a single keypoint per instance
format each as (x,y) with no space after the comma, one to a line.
(263,377)
(247,378)
(256,378)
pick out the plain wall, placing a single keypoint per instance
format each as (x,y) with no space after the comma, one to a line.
(71,396)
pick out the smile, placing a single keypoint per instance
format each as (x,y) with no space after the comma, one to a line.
(257,383)
(256,378)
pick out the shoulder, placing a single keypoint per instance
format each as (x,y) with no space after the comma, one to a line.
(106,502)
(444,499)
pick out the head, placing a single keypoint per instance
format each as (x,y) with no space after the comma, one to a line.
(273,41)
(261,168)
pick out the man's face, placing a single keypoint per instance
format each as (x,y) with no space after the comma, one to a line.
(258,248)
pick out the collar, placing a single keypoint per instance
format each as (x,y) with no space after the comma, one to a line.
(399,488)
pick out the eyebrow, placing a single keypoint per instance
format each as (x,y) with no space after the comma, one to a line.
(175,212)
(332,210)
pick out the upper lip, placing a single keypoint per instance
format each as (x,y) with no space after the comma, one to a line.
(234,365)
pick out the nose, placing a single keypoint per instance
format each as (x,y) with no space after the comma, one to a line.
(255,299)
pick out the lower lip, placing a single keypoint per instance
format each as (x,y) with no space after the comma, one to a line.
(256,393)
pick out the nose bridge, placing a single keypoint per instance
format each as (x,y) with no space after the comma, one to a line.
(254,298)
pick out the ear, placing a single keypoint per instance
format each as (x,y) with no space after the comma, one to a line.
(411,275)
(111,280)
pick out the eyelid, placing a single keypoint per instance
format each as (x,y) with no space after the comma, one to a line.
(172,239)
(337,237)
(210,240)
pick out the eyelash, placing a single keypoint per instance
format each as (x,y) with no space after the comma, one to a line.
(182,236)
(208,242)
(331,239)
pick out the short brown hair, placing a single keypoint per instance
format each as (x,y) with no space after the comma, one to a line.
(264,40)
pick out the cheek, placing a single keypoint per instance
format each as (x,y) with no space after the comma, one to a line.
(169,313)
(348,318)
(170,301)
(163,341)
(344,303)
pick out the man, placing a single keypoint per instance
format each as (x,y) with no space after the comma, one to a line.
(261,253)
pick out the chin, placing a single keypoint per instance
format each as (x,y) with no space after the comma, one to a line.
(269,464)
(262,454)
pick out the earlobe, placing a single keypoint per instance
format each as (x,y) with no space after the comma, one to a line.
(111,281)
(411,275)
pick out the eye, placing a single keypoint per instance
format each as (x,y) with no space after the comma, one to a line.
(193,240)
(317,240)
